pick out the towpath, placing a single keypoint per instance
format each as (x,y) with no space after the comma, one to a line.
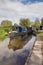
(36,57)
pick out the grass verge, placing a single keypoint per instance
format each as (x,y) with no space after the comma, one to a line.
(2,35)
(40,34)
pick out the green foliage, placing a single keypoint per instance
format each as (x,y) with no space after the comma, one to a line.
(25,22)
(15,24)
(2,32)
(37,23)
(6,25)
(32,24)
(42,21)
(2,35)
(6,29)
(40,34)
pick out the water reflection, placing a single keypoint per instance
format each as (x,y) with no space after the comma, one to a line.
(18,57)
(19,42)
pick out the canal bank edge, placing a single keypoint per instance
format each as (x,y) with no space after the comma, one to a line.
(30,52)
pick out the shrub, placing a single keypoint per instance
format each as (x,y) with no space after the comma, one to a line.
(2,34)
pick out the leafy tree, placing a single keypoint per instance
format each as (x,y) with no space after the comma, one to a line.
(42,21)
(25,22)
(37,23)
(32,24)
(15,24)
(6,25)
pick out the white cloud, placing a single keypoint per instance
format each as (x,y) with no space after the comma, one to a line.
(16,10)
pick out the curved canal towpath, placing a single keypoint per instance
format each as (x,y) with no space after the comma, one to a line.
(36,57)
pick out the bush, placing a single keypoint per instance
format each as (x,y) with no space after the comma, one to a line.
(2,34)
(6,29)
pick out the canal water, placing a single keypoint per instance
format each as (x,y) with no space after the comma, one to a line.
(18,57)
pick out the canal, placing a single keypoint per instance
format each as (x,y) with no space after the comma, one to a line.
(18,57)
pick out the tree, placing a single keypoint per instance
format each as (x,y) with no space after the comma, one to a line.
(32,24)
(37,23)
(42,21)
(6,25)
(25,22)
(15,24)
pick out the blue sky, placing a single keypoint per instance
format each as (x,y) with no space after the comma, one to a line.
(15,9)
(32,1)
(26,1)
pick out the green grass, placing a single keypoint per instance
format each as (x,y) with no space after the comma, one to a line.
(2,35)
(40,34)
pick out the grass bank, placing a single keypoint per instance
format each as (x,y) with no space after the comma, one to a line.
(2,35)
(40,34)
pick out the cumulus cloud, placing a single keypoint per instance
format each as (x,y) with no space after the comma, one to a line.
(16,10)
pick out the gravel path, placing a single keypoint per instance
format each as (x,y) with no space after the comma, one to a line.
(36,56)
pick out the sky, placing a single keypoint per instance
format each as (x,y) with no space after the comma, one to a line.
(15,9)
